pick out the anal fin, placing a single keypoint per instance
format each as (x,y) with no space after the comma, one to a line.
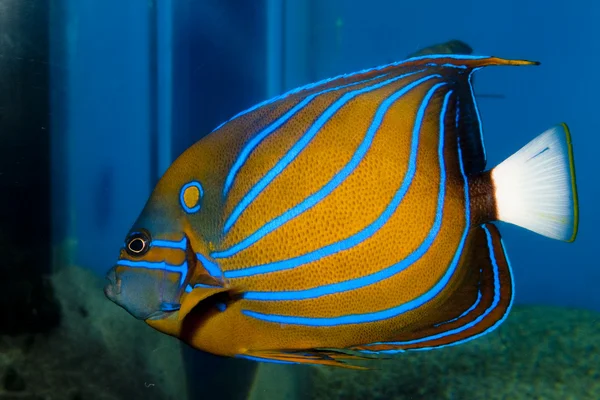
(488,309)
(310,357)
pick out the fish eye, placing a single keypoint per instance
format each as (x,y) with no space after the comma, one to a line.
(137,243)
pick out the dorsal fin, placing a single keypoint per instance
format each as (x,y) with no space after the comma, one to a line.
(252,120)
(460,61)
(467,119)
(469,129)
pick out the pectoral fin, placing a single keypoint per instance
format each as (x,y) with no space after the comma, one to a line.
(198,294)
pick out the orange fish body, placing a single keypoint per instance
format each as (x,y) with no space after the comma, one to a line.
(344,219)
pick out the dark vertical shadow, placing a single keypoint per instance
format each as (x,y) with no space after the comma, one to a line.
(153,95)
(212,377)
(26,297)
(219,63)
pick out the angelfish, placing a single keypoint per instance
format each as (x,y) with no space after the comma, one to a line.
(346,219)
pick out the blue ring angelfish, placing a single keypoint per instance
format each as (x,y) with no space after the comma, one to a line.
(190,196)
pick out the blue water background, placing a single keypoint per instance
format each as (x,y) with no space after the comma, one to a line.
(109,113)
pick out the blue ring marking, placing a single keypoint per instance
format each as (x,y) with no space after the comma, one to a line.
(390,312)
(256,140)
(350,75)
(221,306)
(392,270)
(298,147)
(260,359)
(472,323)
(211,267)
(339,177)
(196,184)
(360,236)
(162,265)
(170,244)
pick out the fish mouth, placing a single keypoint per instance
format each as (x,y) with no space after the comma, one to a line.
(113,287)
(157,315)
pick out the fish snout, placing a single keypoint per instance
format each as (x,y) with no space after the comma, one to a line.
(113,287)
(139,291)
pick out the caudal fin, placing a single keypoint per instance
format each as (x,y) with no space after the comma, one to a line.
(535,187)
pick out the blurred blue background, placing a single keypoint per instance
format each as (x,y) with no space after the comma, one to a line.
(142,80)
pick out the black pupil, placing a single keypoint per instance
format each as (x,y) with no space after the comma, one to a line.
(136,245)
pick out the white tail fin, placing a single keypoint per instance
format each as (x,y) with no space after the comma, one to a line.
(535,187)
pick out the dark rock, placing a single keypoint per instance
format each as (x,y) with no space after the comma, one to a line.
(28,305)
(83,311)
(13,381)
(22,396)
(26,301)
(28,343)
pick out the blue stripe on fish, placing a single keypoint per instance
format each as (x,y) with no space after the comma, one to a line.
(392,270)
(457,118)
(391,312)
(170,307)
(212,268)
(182,269)
(447,65)
(256,140)
(359,236)
(170,244)
(339,177)
(475,304)
(472,323)
(294,152)
(451,56)
(260,359)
